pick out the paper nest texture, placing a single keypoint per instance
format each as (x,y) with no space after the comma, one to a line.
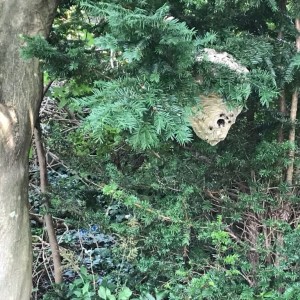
(212,119)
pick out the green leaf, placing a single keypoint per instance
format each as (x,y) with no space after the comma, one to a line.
(86,288)
(161,295)
(77,293)
(148,297)
(124,294)
(108,293)
(102,292)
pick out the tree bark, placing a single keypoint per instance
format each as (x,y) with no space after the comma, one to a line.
(293,116)
(282,109)
(282,97)
(20,92)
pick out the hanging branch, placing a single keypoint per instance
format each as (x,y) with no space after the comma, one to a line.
(45,197)
(293,116)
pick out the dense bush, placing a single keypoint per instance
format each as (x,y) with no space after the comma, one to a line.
(176,218)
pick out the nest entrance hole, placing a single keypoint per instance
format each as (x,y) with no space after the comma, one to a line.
(221,122)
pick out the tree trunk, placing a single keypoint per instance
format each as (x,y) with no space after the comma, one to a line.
(293,116)
(292,136)
(282,98)
(20,92)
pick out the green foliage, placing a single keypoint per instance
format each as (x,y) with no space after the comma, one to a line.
(105,293)
(293,67)
(179,219)
(84,288)
(147,114)
(81,288)
(141,103)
